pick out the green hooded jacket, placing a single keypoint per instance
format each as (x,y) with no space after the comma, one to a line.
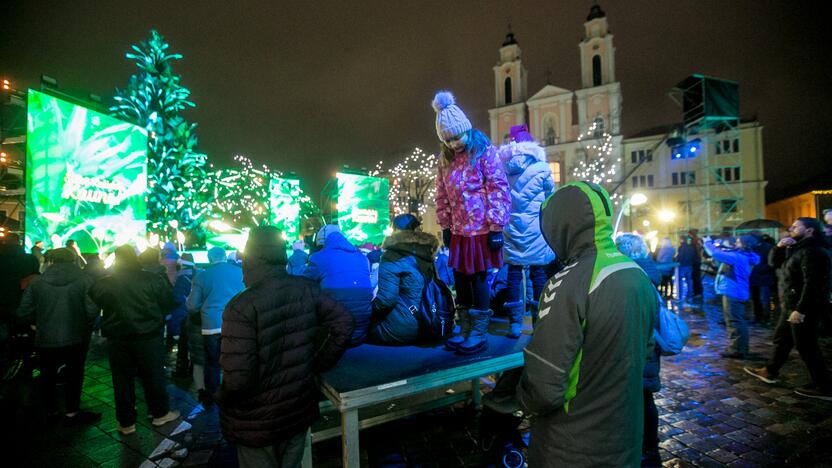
(582,383)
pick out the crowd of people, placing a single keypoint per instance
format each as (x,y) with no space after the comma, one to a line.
(252,331)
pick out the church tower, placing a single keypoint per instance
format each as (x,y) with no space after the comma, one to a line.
(509,91)
(599,100)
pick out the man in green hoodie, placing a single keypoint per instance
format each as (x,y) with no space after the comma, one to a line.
(582,385)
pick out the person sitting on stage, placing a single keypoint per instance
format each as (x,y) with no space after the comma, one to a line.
(582,382)
(344,273)
(405,264)
(276,335)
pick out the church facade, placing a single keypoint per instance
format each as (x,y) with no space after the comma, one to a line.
(718,189)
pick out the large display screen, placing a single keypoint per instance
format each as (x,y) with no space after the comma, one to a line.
(363,207)
(284,206)
(86,176)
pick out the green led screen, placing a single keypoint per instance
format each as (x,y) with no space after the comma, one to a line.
(284,206)
(86,176)
(363,207)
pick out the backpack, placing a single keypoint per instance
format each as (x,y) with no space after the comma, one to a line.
(672,332)
(436,309)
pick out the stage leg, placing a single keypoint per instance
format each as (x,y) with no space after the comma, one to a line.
(476,395)
(350,455)
(307,450)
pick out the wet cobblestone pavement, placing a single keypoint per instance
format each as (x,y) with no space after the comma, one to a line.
(711,414)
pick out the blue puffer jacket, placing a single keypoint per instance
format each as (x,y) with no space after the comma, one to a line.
(407,258)
(212,290)
(530,180)
(297,262)
(344,273)
(732,278)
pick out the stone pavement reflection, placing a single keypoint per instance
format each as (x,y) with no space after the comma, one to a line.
(711,414)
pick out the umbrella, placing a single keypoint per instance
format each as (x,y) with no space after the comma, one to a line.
(761,224)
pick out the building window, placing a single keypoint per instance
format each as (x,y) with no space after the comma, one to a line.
(555,167)
(643,181)
(641,156)
(728,174)
(674,178)
(736,145)
(683,178)
(635,181)
(596,70)
(649,180)
(599,127)
(727,146)
(507,89)
(728,205)
(634,157)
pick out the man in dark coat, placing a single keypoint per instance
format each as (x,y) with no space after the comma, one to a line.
(803,272)
(134,304)
(582,383)
(17,265)
(57,304)
(406,262)
(276,335)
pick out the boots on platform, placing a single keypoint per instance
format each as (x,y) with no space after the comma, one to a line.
(514,311)
(464,322)
(478,337)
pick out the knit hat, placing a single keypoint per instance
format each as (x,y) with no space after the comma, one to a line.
(298,245)
(169,252)
(520,133)
(265,244)
(320,238)
(450,120)
(406,222)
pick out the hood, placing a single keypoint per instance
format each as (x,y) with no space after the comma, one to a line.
(336,240)
(517,156)
(419,244)
(61,274)
(575,221)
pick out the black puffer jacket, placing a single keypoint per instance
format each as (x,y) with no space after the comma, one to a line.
(58,304)
(803,275)
(275,335)
(134,302)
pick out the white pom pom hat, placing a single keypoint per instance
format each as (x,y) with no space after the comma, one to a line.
(450,120)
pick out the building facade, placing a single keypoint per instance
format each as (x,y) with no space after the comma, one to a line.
(717,189)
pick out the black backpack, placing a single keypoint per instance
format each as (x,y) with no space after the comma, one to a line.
(436,309)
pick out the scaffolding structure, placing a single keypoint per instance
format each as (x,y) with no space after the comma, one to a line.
(13,145)
(710,112)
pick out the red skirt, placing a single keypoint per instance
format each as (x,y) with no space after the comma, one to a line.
(469,255)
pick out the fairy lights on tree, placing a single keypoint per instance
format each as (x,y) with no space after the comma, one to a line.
(412,182)
(241,195)
(600,165)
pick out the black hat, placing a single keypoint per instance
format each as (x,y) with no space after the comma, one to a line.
(406,222)
(266,244)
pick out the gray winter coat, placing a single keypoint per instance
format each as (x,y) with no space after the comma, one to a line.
(530,180)
(582,382)
(407,257)
(58,305)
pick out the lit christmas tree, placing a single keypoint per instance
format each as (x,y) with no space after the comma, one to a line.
(177,173)
(600,164)
(412,182)
(241,196)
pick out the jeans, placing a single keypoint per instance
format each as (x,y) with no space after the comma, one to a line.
(685,282)
(145,359)
(803,336)
(212,362)
(761,300)
(74,357)
(472,290)
(284,454)
(735,323)
(537,277)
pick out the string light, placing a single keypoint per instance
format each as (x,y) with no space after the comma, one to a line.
(600,165)
(412,182)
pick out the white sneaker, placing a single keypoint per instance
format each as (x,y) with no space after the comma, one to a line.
(166,418)
(127,430)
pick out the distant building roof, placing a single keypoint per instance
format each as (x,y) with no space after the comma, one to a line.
(509,40)
(595,12)
(818,182)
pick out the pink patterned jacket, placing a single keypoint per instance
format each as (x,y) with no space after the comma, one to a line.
(472,200)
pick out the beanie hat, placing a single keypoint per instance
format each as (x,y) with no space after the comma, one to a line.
(169,252)
(450,120)
(520,133)
(216,254)
(320,238)
(298,245)
(265,244)
(406,222)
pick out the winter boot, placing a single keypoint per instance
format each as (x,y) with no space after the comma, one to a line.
(464,322)
(515,318)
(477,340)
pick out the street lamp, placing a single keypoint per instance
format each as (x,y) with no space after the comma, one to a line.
(635,199)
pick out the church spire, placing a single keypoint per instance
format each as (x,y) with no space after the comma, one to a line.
(595,11)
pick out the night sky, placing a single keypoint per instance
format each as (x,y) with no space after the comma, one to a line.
(310,86)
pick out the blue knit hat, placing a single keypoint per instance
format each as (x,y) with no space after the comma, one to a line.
(450,120)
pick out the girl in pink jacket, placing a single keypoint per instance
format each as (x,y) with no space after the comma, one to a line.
(472,206)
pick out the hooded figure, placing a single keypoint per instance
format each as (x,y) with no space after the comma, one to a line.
(582,381)
(530,182)
(344,273)
(406,262)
